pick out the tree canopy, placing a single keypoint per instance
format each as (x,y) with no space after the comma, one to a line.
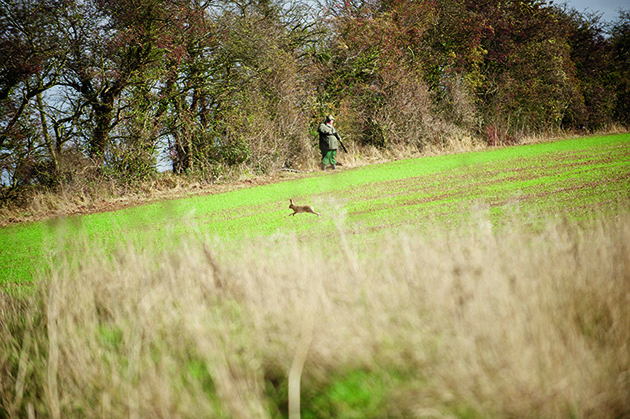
(107,86)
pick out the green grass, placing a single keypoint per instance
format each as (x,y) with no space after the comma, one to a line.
(573,177)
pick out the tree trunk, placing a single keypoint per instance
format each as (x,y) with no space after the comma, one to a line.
(103,116)
(52,150)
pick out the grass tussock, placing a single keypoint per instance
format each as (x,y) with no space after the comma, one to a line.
(477,324)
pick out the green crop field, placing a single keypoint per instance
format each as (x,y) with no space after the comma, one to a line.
(574,177)
(475,285)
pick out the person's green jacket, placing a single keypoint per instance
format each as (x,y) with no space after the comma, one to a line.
(327,137)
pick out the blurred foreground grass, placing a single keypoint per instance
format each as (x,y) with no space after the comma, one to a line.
(462,322)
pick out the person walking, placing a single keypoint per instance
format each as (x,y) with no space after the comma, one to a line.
(328,142)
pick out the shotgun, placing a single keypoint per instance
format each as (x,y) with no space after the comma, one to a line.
(340,143)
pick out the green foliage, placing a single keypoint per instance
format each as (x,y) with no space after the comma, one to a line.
(620,39)
(354,394)
(373,134)
(359,393)
(593,84)
(131,167)
(110,336)
(199,371)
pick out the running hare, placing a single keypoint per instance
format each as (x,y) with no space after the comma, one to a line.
(302,208)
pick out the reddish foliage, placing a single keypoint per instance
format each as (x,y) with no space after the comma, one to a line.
(497,137)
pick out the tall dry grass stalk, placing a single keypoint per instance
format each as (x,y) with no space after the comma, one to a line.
(500,324)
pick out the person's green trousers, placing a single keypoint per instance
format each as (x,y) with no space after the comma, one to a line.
(329,157)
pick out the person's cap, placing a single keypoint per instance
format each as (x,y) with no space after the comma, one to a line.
(330,118)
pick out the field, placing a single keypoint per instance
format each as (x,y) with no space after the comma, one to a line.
(486,284)
(576,178)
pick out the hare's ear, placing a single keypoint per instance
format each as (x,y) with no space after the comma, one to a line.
(291,201)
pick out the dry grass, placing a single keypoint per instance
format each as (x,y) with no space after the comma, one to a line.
(475,324)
